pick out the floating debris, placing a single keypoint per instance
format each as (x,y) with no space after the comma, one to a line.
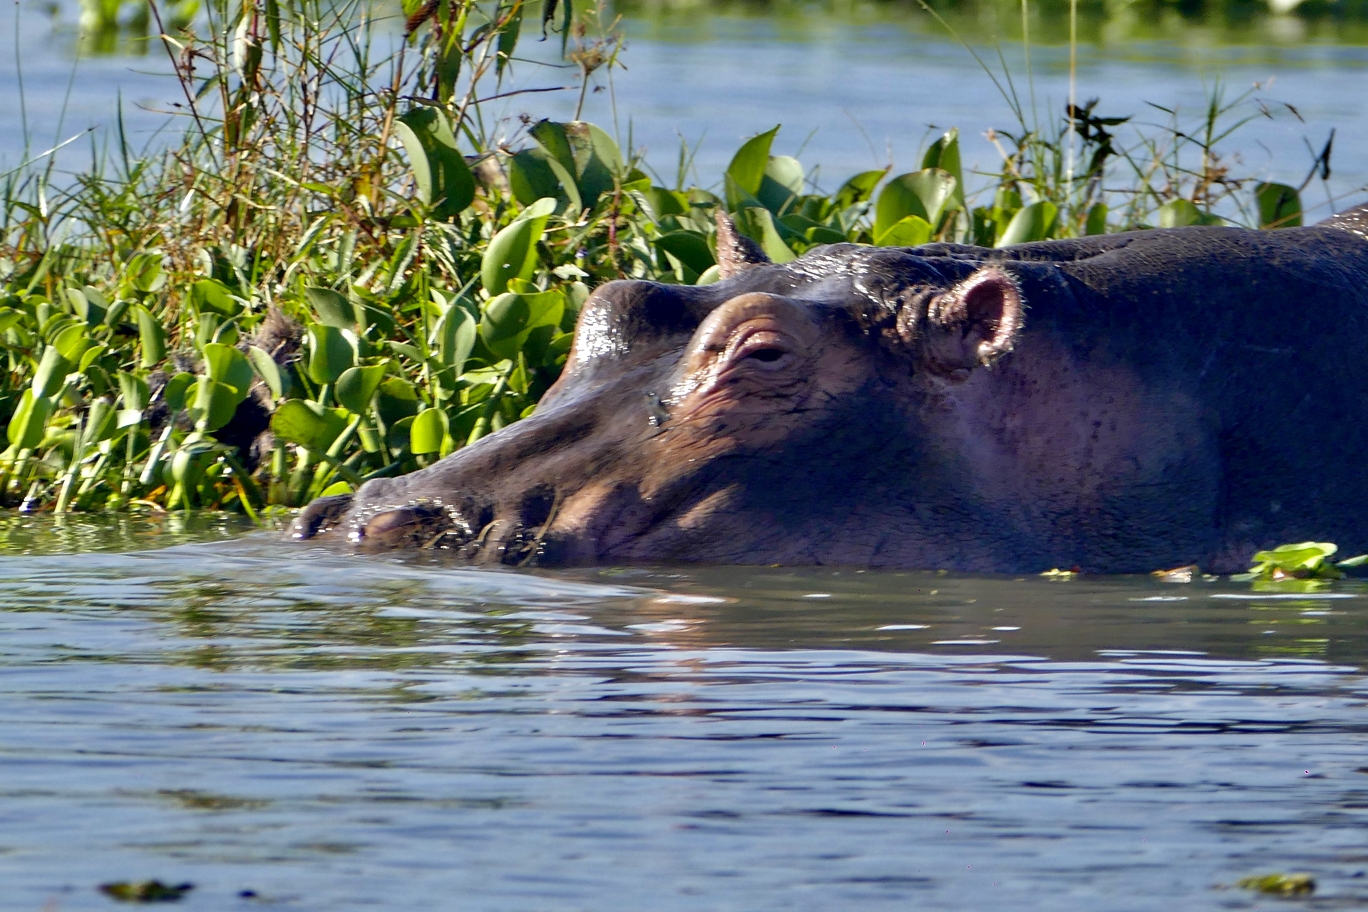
(1280,884)
(1176,575)
(145,891)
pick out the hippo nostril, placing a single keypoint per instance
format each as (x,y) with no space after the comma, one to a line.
(537,507)
(412,526)
(320,516)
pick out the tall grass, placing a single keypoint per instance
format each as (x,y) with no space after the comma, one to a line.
(344,268)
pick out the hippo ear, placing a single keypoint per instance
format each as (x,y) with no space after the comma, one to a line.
(974,323)
(735,251)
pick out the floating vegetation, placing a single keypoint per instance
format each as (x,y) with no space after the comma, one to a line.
(145,891)
(345,270)
(1280,884)
(1302,561)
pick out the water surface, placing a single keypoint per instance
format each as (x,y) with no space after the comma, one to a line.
(328,732)
(853,91)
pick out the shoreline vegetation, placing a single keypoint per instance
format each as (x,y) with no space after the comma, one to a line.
(342,269)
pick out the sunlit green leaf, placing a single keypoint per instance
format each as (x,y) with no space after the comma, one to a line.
(510,319)
(357,386)
(428,431)
(269,372)
(1279,206)
(911,231)
(1032,223)
(332,308)
(29,421)
(926,194)
(226,364)
(439,169)
(173,394)
(308,424)
(330,352)
(153,338)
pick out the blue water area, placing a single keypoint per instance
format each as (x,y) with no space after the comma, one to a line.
(305,729)
(850,97)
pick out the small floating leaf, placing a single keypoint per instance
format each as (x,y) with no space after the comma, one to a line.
(145,891)
(1280,884)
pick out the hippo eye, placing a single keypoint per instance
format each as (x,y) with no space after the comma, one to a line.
(767,354)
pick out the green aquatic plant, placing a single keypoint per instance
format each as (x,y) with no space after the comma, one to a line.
(1280,884)
(145,891)
(344,270)
(1300,561)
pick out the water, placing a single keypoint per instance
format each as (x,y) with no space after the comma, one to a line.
(328,732)
(851,94)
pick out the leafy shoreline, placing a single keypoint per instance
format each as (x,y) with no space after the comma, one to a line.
(343,271)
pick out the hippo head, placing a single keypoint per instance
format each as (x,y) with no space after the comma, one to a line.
(772,417)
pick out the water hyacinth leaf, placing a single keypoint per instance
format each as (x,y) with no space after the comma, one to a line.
(226,364)
(1032,223)
(510,319)
(512,253)
(427,431)
(1179,213)
(1299,556)
(212,296)
(912,231)
(330,352)
(99,422)
(455,338)
(746,170)
(397,400)
(690,247)
(397,437)
(134,390)
(944,154)
(72,342)
(1279,206)
(926,194)
(29,421)
(439,169)
(337,487)
(52,370)
(531,178)
(585,160)
(173,394)
(598,160)
(308,424)
(358,385)
(92,354)
(331,308)
(153,338)
(144,273)
(781,183)
(859,188)
(213,405)
(267,370)
(9,318)
(88,304)
(758,225)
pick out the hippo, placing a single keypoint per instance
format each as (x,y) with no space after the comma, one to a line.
(1113,404)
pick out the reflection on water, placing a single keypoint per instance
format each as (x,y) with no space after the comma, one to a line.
(334,732)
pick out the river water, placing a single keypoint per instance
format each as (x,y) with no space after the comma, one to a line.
(851,93)
(296,727)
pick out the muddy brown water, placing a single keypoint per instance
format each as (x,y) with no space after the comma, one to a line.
(329,732)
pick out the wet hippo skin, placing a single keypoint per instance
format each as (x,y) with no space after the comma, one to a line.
(1119,404)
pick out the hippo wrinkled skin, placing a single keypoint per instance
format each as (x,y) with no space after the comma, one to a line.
(1117,404)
